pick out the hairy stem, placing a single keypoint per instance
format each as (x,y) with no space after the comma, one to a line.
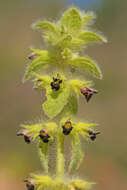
(43,153)
(77,154)
(60,155)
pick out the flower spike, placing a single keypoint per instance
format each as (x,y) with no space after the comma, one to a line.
(66,40)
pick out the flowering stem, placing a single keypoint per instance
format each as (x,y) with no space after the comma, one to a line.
(66,40)
(60,155)
(43,152)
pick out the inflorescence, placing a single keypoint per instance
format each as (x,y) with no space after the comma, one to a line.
(66,41)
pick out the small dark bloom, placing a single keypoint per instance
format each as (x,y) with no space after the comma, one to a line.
(67,128)
(76,188)
(93,135)
(32,56)
(26,137)
(29,186)
(55,85)
(88,92)
(44,136)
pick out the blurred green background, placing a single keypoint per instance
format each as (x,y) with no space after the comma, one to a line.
(105,161)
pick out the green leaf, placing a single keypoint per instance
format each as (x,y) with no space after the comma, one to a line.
(70,42)
(80,184)
(50,31)
(70,108)
(87,18)
(41,81)
(46,26)
(83,128)
(42,181)
(46,79)
(88,37)
(32,130)
(65,41)
(38,51)
(88,65)
(56,100)
(37,64)
(76,43)
(51,127)
(72,20)
(77,84)
(77,154)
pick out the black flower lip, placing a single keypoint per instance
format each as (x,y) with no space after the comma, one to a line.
(27,138)
(29,185)
(44,136)
(93,135)
(67,128)
(55,85)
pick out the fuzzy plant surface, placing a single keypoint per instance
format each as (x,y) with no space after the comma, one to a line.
(63,56)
